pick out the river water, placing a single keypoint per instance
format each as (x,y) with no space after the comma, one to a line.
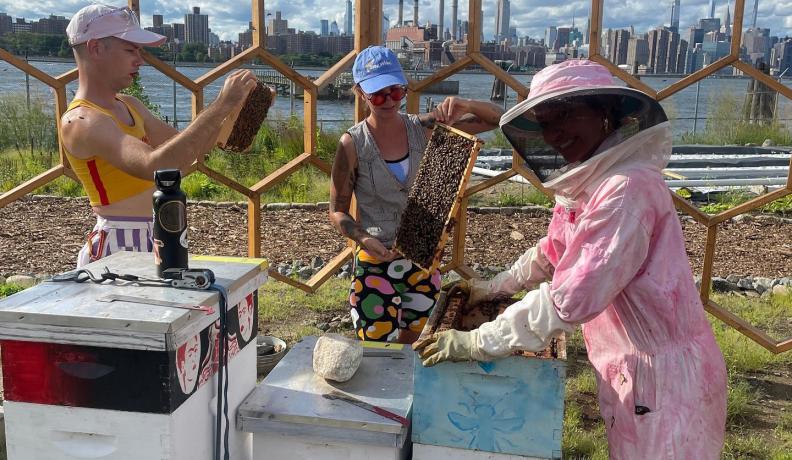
(685,112)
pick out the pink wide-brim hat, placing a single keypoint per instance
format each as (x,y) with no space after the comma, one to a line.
(578,78)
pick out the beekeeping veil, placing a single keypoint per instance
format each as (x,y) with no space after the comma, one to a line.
(565,85)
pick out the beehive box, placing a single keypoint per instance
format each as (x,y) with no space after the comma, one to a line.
(435,195)
(240,127)
(508,407)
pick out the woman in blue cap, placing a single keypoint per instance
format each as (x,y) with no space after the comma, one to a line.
(377,160)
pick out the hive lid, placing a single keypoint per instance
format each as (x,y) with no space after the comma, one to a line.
(121,314)
(291,398)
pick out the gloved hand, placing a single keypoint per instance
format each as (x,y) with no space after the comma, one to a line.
(451,345)
(477,290)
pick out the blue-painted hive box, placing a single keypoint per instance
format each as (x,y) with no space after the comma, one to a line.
(511,406)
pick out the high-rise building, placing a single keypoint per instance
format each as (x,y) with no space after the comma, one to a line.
(757,45)
(782,55)
(712,9)
(156,20)
(695,35)
(551,35)
(53,25)
(334,32)
(502,20)
(324,27)
(755,12)
(246,38)
(196,27)
(658,49)
(562,39)
(675,16)
(637,51)
(454,19)
(727,25)
(672,53)
(179,32)
(710,24)
(348,19)
(277,25)
(441,19)
(619,42)
(5,23)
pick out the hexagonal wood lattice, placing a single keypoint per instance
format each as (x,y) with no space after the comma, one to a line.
(368,31)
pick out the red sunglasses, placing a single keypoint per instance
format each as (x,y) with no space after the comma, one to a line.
(396,94)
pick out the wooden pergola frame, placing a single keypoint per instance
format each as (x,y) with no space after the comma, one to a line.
(368,31)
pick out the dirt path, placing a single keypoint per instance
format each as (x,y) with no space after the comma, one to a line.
(43,235)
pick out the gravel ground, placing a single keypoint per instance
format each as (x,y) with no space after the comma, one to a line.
(43,235)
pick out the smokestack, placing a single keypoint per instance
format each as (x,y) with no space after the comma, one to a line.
(401,12)
(755,11)
(440,28)
(454,8)
(415,14)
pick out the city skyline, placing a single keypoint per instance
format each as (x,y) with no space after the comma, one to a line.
(226,21)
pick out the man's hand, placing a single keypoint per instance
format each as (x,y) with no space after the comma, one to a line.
(376,249)
(451,345)
(236,88)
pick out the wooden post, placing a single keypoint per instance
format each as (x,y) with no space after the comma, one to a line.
(309,119)
(259,37)
(474,27)
(595,27)
(60,109)
(197,101)
(254,226)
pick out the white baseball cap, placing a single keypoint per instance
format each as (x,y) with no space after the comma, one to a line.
(101,21)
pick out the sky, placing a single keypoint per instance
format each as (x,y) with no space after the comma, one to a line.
(531,17)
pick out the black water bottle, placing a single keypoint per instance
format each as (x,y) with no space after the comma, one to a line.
(170,222)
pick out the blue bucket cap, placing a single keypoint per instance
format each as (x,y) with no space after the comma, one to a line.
(375,68)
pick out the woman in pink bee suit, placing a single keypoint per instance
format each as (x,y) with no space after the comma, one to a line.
(614,261)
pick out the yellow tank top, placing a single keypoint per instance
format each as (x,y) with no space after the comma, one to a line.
(104,183)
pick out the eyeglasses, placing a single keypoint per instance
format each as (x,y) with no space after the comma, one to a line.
(125,13)
(396,94)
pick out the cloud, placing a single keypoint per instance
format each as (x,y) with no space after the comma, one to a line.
(530,17)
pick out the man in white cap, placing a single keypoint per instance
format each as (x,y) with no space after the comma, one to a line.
(113,143)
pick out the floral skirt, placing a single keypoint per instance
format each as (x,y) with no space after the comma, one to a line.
(389,296)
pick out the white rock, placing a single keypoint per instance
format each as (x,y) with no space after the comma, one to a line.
(336,357)
(24,281)
(517,236)
(780,289)
(2,279)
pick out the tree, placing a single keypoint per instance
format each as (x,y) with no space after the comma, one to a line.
(137,90)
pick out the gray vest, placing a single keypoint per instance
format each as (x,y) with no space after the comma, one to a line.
(381,198)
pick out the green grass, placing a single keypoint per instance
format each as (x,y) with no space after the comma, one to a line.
(511,194)
(9,289)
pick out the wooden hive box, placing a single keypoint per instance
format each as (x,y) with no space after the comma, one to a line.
(436,195)
(511,408)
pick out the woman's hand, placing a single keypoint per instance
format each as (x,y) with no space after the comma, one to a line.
(376,249)
(451,110)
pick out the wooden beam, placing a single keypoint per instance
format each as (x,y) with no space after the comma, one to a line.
(440,75)
(750,205)
(694,77)
(595,26)
(755,73)
(687,207)
(68,77)
(330,268)
(60,108)
(742,326)
(29,69)
(226,67)
(737,28)
(466,272)
(624,76)
(257,18)
(532,178)
(26,187)
(169,71)
(413,102)
(310,99)
(281,67)
(783,346)
(291,282)
(332,73)
(709,261)
(134,5)
(492,181)
(197,102)
(280,174)
(254,226)
(227,181)
(320,164)
(460,231)
(362,40)
(474,29)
